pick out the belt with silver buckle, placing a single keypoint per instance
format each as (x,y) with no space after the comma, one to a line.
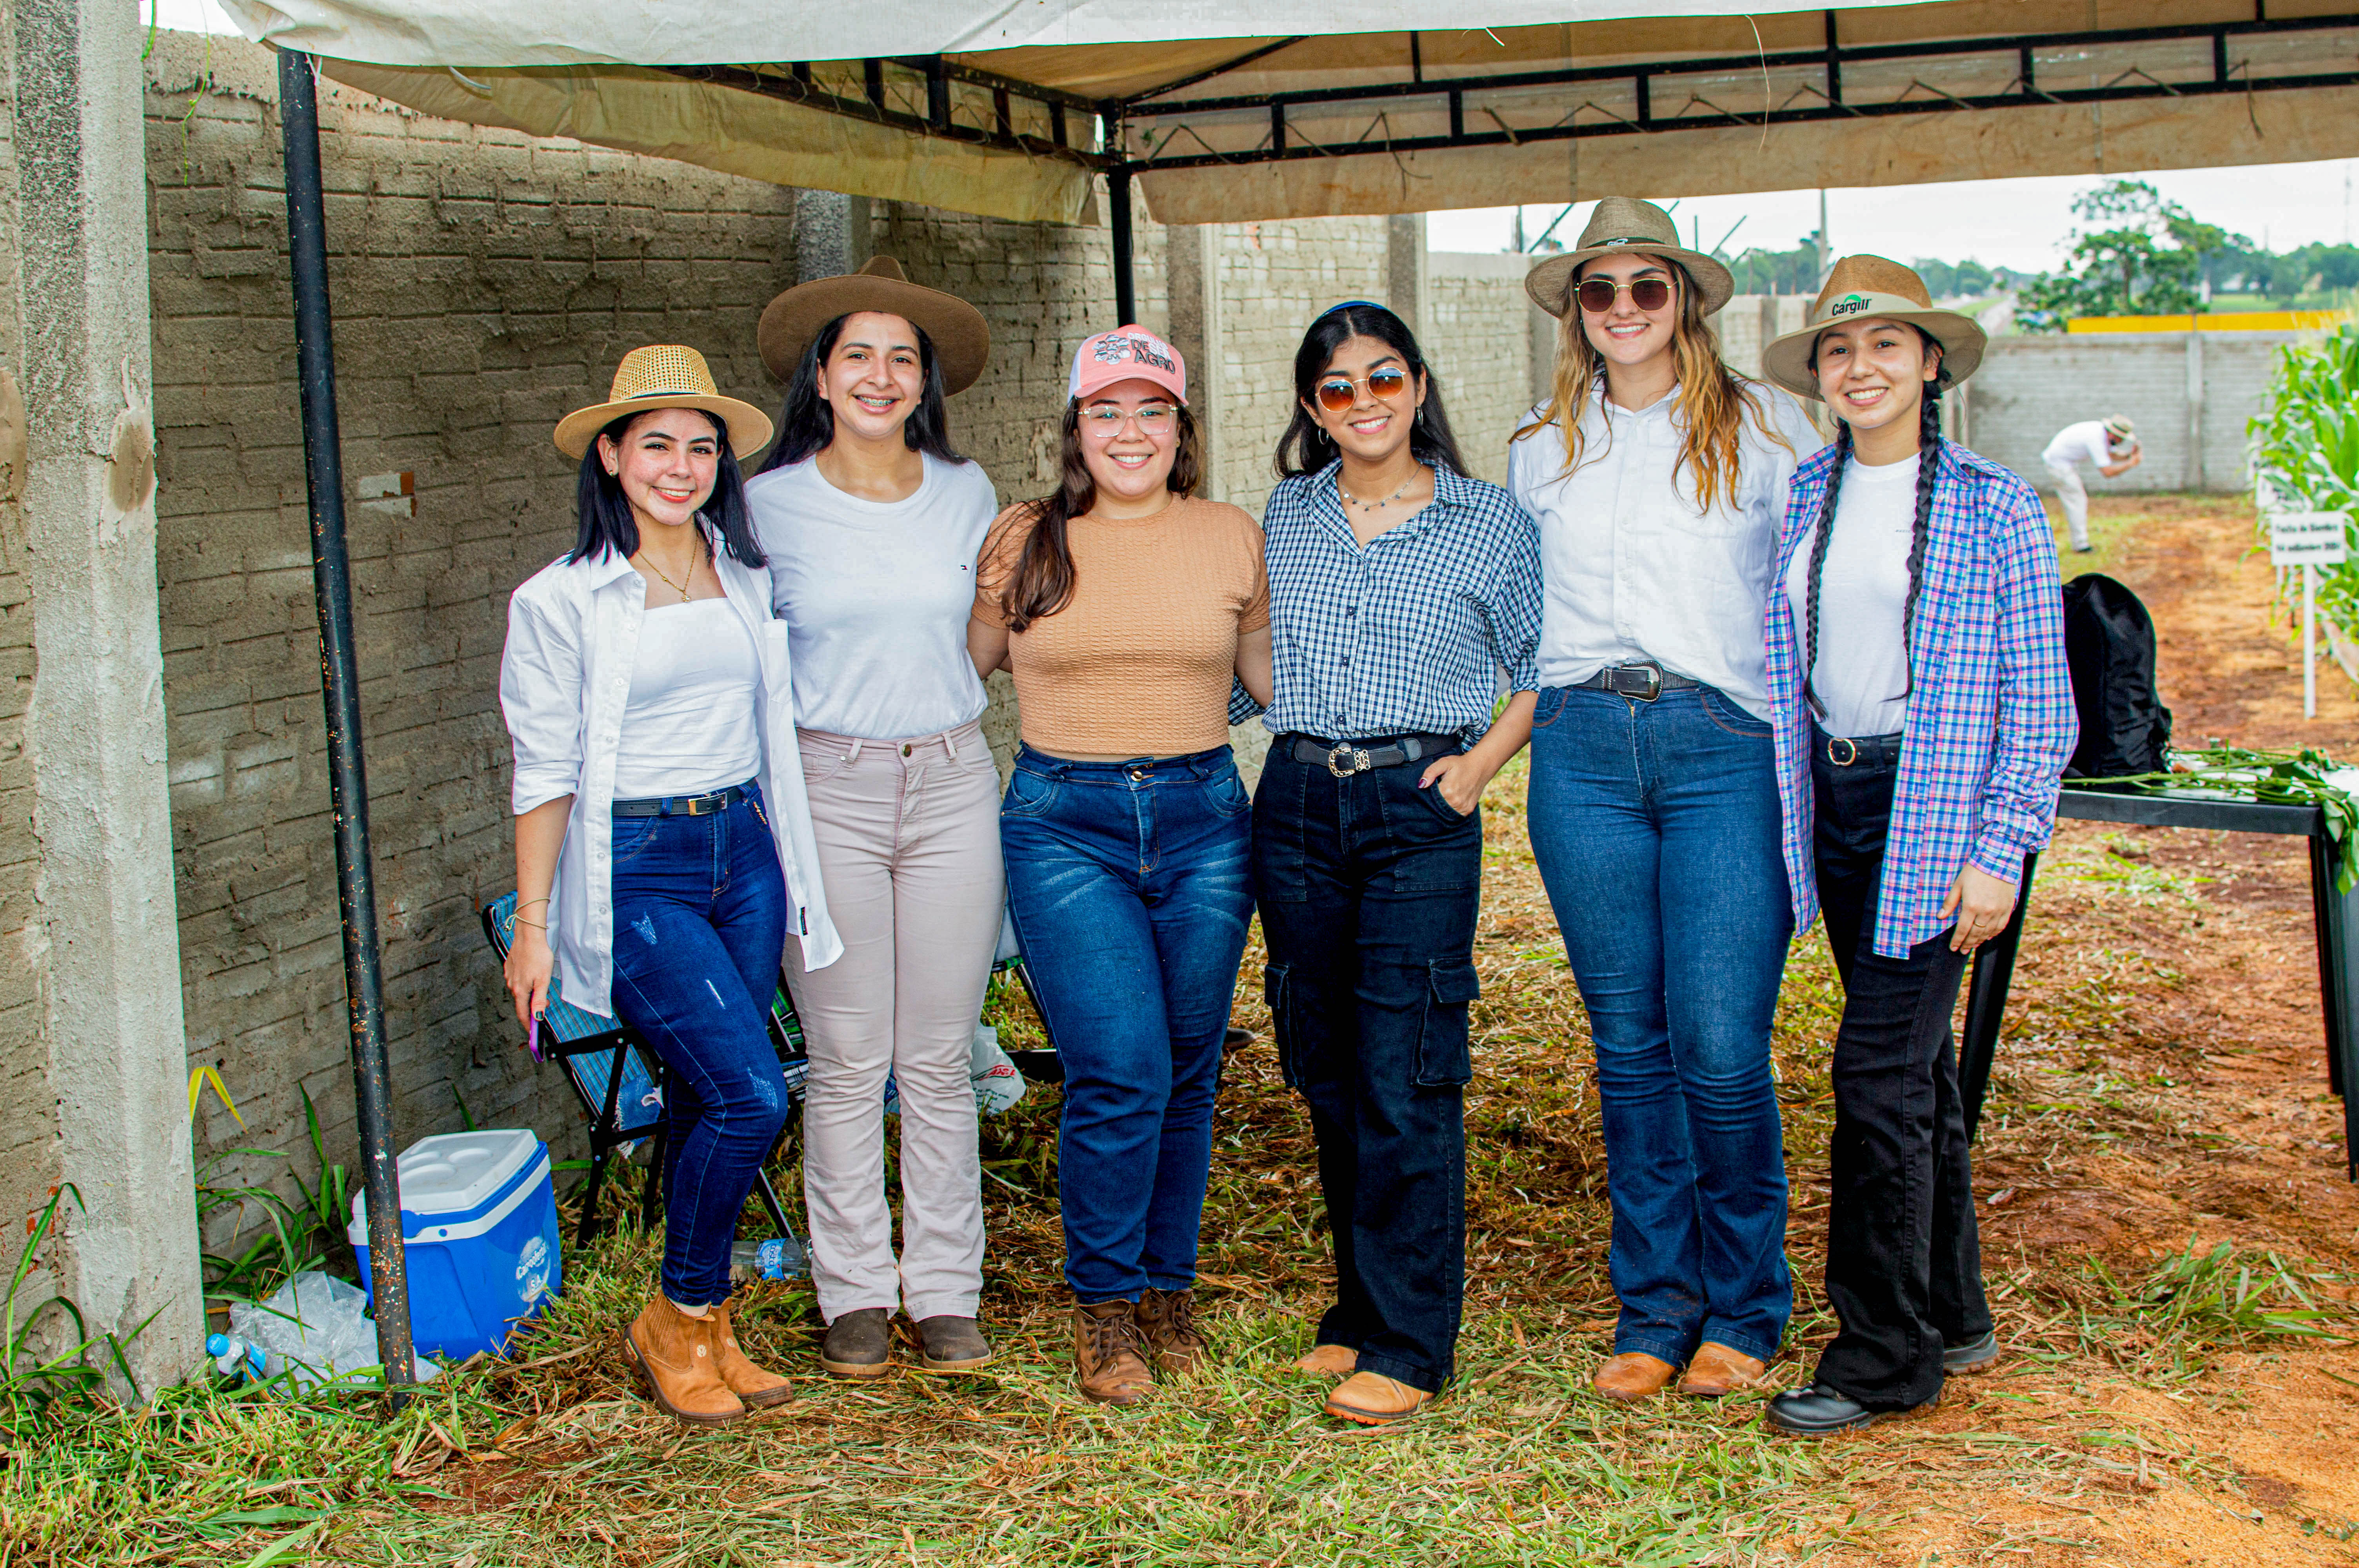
(682,804)
(1344,758)
(1642,682)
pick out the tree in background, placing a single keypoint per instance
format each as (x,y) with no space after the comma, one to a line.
(2134,254)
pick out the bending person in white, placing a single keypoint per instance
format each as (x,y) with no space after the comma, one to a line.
(2111,443)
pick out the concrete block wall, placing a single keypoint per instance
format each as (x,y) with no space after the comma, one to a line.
(1480,336)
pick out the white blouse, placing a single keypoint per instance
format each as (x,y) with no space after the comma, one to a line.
(688,726)
(1634,569)
(565,681)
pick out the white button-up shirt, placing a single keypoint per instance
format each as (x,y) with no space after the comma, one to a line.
(1634,569)
(565,678)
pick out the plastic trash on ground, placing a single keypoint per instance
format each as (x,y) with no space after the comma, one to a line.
(997,1082)
(315,1327)
(780,1258)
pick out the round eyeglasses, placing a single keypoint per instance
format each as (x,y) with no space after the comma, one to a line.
(1105,421)
(1338,393)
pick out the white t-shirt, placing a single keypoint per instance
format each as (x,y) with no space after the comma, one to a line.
(689,726)
(1633,569)
(2082,443)
(1862,668)
(875,595)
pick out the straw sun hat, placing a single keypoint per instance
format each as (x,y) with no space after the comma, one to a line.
(1863,288)
(664,375)
(1620,225)
(961,340)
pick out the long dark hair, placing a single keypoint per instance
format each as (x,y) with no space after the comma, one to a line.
(1928,463)
(606,522)
(1042,582)
(1307,448)
(806,423)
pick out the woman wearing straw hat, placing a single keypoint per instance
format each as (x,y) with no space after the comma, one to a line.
(1659,477)
(1127,610)
(872,523)
(662,838)
(1923,716)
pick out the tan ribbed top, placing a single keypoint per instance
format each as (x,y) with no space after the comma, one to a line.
(1139,663)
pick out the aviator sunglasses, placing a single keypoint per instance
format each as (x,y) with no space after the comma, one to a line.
(1338,393)
(1596,294)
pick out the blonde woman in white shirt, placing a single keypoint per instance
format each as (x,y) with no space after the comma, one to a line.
(872,523)
(663,848)
(1659,479)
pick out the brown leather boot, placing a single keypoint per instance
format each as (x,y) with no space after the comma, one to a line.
(1718,1369)
(1329,1361)
(1166,1329)
(1633,1375)
(753,1384)
(1374,1400)
(1105,1353)
(674,1352)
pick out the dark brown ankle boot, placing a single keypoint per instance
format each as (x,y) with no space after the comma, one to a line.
(1106,1360)
(1166,1329)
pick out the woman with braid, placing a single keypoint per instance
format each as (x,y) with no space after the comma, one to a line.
(1923,716)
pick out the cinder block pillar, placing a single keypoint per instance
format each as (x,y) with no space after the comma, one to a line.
(1544,337)
(2194,462)
(831,233)
(1404,282)
(1192,253)
(95,726)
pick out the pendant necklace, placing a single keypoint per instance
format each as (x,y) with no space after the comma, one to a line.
(676,587)
(1415,473)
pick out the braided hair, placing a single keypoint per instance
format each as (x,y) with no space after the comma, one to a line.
(1929,464)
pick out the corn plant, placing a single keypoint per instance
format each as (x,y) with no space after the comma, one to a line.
(303,1232)
(33,1385)
(2305,449)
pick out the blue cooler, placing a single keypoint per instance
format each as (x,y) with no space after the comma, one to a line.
(479,1232)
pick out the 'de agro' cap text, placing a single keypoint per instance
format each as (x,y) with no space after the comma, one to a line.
(1126,353)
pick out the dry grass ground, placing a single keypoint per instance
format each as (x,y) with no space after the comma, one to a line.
(2159,1097)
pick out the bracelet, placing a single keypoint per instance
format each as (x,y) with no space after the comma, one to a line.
(527,903)
(535,925)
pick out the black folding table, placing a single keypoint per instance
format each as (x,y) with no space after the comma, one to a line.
(2336,915)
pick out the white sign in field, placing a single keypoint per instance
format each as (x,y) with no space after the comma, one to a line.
(2307,538)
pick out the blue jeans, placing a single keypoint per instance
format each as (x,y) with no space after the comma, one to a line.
(700,927)
(1656,827)
(1127,883)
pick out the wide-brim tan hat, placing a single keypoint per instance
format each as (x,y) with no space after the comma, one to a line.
(664,375)
(1865,287)
(961,338)
(1623,223)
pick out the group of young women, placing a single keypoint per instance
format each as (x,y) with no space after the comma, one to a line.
(1763,679)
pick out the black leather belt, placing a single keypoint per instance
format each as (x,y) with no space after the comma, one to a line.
(682,804)
(1643,682)
(1344,758)
(1857,751)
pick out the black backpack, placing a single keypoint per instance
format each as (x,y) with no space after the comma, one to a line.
(2109,644)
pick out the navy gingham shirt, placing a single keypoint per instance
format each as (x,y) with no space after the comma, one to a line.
(1408,634)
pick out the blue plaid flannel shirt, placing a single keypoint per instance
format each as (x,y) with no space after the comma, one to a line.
(1990,721)
(1408,634)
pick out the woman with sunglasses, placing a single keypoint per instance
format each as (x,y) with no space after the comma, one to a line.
(1659,477)
(1400,589)
(663,848)
(873,521)
(1924,714)
(1127,610)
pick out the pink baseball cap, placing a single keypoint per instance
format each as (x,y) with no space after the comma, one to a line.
(1126,353)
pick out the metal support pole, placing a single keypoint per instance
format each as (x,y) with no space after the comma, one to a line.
(1125,284)
(306,248)
(2309,643)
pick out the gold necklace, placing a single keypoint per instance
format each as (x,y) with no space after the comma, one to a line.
(650,560)
(1415,473)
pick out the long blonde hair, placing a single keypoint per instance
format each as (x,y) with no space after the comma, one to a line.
(1713,398)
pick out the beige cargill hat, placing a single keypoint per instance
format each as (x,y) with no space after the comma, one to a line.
(1626,223)
(960,337)
(1864,287)
(664,375)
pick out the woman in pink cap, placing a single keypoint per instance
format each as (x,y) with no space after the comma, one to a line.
(1126,609)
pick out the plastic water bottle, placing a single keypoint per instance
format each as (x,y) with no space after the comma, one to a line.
(771,1260)
(237,1358)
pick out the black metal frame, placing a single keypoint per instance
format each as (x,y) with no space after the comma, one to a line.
(2334,917)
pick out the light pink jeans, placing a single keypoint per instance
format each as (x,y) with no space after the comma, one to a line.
(908,850)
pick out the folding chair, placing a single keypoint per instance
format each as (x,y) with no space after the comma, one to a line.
(620,1082)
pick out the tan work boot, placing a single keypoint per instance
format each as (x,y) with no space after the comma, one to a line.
(1166,1329)
(1374,1400)
(1718,1369)
(1633,1375)
(1329,1361)
(753,1384)
(674,1352)
(1105,1353)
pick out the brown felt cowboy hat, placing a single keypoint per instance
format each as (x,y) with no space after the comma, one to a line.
(961,341)
(1623,223)
(664,375)
(1865,288)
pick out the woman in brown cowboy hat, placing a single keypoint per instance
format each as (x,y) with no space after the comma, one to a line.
(663,846)
(1923,715)
(872,523)
(1658,477)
